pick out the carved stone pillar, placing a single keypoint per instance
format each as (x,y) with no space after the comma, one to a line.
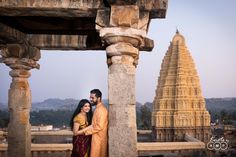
(20,59)
(121,59)
(123,31)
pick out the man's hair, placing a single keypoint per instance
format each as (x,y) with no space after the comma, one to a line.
(97,93)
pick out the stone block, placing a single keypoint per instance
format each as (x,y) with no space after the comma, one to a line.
(126,16)
(102,18)
(122,84)
(122,130)
(143,20)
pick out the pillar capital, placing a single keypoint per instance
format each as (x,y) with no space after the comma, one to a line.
(113,35)
(21,63)
(122,41)
(20,56)
(123,30)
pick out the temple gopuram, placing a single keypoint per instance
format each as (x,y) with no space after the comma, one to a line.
(179,107)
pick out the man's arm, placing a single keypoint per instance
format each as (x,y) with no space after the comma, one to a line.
(98,124)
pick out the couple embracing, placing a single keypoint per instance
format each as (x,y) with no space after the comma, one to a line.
(90,129)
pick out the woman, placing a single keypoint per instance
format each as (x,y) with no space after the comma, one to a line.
(81,118)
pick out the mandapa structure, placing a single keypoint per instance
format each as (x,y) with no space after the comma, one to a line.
(179,107)
(117,26)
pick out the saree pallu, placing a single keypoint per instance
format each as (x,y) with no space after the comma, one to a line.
(81,146)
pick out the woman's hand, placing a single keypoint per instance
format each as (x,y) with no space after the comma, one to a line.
(80,132)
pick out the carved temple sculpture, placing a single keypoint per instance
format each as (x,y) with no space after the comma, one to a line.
(179,107)
(119,27)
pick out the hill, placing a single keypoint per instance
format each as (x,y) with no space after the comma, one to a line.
(3,106)
(213,104)
(217,104)
(55,104)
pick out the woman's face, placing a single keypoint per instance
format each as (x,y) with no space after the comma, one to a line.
(86,108)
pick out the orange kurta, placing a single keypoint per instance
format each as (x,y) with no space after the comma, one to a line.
(98,130)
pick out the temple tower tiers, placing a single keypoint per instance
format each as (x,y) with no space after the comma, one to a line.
(179,107)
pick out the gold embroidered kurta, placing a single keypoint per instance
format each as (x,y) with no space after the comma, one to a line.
(98,130)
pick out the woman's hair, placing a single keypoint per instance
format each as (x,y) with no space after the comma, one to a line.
(78,110)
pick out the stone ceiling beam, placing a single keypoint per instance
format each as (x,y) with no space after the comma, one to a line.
(55,8)
(53,3)
(68,8)
(75,42)
(11,35)
(66,42)
(50,25)
(48,12)
(58,42)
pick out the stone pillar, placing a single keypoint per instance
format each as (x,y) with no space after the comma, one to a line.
(20,59)
(123,31)
(121,59)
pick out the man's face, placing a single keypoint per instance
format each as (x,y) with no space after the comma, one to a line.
(93,99)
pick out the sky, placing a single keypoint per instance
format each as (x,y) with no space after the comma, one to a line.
(209,28)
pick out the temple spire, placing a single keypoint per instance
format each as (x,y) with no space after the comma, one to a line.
(177,31)
(179,107)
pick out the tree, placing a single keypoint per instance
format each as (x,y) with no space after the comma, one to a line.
(146,117)
(225,117)
(4,119)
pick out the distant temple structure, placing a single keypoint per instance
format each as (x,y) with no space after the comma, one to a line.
(179,107)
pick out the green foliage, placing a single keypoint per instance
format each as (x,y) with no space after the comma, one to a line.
(4,119)
(144,118)
(214,115)
(56,118)
(224,116)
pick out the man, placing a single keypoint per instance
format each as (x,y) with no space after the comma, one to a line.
(98,128)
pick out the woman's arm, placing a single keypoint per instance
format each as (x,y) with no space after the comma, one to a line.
(76,130)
